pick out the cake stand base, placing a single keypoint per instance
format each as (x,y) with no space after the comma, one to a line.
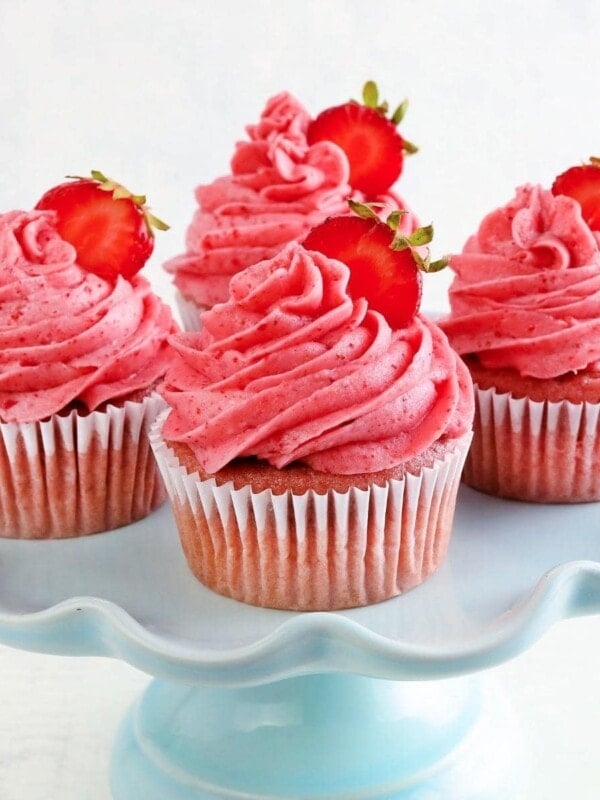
(319,737)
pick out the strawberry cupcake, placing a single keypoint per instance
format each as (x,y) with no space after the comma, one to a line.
(525,316)
(317,427)
(83,345)
(289,175)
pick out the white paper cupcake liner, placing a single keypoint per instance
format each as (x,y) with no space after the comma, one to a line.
(77,474)
(189,312)
(313,551)
(546,452)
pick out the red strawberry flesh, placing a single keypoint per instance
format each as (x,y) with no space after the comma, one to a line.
(388,279)
(110,235)
(372,144)
(582,183)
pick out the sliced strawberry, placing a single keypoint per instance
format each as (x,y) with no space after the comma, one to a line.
(583,184)
(374,148)
(109,227)
(385,266)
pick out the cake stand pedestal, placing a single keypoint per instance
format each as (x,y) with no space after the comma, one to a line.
(318,736)
(386,702)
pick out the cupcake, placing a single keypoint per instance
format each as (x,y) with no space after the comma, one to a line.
(313,447)
(289,175)
(525,316)
(80,358)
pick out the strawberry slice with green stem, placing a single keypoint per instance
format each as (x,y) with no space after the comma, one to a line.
(374,147)
(582,183)
(385,266)
(110,227)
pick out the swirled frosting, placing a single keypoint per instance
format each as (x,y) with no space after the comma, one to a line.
(65,334)
(292,369)
(526,294)
(279,188)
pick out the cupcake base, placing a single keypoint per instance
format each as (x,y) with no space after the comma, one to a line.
(307,550)
(189,312)
(534,450)
(75,474)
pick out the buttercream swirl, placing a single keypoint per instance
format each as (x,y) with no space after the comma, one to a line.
(526,294)
(65,334)
(279,188)
(292,369)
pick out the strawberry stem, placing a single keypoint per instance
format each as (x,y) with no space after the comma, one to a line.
(370,94)
(418,238)
(364,210)
(408,147)
(440,264)
(400,242)
(399,113)
(155,222)
(120,192)
(99,176)
(393,219)
(421,236)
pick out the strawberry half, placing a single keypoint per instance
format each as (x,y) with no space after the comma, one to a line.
(373,146)
(582,183)
(384,266)
(109,227)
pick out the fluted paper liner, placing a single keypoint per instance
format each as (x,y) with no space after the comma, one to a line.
(540,451)
(313,551)
(189,312)
(77,474)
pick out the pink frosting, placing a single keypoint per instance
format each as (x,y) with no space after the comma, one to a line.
(526,295)
(292,369)
(65,334)
(279,188)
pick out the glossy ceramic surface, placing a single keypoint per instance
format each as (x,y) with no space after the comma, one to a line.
(512,570)
(321,737)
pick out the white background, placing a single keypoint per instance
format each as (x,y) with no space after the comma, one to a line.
(155,94)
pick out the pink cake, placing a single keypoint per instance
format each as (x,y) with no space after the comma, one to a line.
(526,318)
(278,189)
(312,454)
(79,359)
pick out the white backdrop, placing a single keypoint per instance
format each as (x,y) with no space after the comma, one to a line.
(156,93)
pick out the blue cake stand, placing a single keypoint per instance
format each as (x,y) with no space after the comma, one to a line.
(385,702)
